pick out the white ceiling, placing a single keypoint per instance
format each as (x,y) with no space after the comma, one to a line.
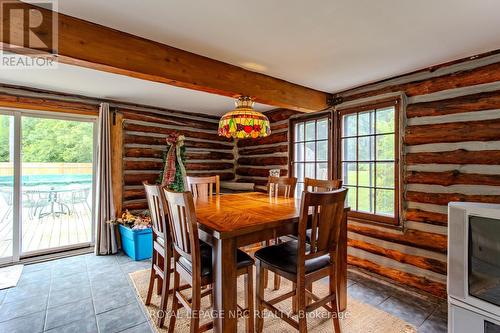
(330,45)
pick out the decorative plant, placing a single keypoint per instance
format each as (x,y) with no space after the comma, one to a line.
(139,221)
(173,175)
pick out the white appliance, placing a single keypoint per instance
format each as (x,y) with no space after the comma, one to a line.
(473,268)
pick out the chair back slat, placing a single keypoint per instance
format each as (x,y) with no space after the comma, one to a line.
(281,186)
(183,224)
(327,212)
(203,186)
(157,209)
(321,185)
(314,227)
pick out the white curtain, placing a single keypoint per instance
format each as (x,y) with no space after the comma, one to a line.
(105,209)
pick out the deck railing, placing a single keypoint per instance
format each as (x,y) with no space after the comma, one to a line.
(6,168)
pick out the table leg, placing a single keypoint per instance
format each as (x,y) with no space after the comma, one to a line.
(341,275)
(224,270)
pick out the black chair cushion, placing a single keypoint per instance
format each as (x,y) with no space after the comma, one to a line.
(284,257)
(242,260)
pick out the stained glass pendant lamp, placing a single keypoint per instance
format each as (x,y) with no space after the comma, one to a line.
(244,122)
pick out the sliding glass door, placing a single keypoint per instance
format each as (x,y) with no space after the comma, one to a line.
(46,184)
(6,187)
(56,178)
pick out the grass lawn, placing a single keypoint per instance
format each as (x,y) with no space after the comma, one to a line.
(366,202)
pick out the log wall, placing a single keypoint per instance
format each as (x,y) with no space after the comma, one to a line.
(144,145)
(451,153)
(257,157)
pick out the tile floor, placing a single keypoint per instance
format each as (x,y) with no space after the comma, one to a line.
(84,294)
(428,314)
(89,294)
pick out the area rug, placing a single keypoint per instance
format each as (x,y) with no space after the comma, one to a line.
(9,276)
(358,318)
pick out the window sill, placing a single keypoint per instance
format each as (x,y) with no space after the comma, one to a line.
(394,225)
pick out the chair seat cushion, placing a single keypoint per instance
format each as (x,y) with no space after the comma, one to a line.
(284,257)
(242,260)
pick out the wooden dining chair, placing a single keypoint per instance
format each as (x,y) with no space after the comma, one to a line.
(321,185)
(162,248)
(279,187)
(304,262)
(203,186)
(193,263)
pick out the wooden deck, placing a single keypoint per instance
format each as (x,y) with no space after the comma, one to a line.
(46,232)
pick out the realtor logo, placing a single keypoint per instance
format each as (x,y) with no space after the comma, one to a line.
(29,34)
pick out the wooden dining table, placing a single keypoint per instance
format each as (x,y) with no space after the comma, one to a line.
(231,221)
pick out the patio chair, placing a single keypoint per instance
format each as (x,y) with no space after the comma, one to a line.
(7,197)
(76,197)
(43,199)
(31,202)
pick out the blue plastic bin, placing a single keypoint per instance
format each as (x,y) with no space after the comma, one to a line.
(137,244)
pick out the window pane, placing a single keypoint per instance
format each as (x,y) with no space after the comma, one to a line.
(386,120)
(322,129)
(385,174)
(299,132)
(365,200)
(310,151)
(368,159)
(310,130)
(385,202)
(322,151)
(322,171)
(349,127)
(366,174)
(349,149)
(310,170)
(298,155)
(366,148)
(385,147)
(349,173)
(366,122)
(299,171)
(351,197)
(298,190)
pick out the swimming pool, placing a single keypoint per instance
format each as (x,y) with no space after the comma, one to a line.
(35,180)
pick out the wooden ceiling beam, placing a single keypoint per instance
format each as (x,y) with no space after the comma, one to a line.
(94,46)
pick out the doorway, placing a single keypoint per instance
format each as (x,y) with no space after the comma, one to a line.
(47,168)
